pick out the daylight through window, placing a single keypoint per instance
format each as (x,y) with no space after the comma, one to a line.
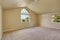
(25,16)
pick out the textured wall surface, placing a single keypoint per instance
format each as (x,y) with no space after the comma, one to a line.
(46,21)
(12,19)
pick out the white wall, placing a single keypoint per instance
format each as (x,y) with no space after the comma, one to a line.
(45,21)
(12,20)
(0,22)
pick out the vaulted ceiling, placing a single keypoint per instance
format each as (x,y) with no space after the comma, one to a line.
(38,6)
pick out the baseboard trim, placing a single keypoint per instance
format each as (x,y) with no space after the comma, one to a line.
(17,29)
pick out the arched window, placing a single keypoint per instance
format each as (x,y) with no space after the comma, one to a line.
(25,16)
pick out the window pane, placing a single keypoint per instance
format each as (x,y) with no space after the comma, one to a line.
(24,18)
(56,18)
(24,11)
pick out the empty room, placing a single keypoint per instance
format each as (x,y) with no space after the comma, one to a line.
(29,19)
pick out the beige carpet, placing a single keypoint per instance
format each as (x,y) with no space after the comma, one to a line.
(35,33)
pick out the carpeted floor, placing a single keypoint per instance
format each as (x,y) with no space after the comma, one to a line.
(35,33)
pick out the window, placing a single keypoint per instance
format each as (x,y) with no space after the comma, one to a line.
(56,18)
(25,16)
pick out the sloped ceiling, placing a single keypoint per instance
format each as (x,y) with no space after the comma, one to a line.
(38,6)
(12,3)
(45,6)
(15,3)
